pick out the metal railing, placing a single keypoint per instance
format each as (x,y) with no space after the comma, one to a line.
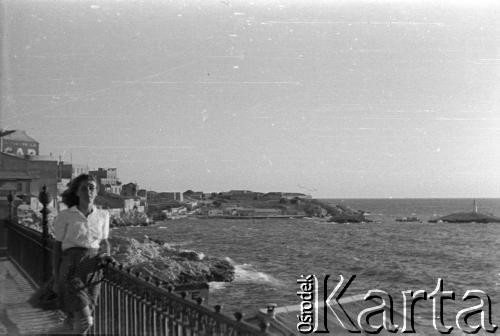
(129,303)
(26,248)
(133,305)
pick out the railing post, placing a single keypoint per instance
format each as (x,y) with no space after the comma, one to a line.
(10,198)
(44,198)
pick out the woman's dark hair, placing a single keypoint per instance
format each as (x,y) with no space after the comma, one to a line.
(69,196)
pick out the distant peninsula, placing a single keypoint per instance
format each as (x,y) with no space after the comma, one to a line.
(234,204)
(283,205)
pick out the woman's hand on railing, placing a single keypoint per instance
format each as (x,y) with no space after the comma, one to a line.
(105,259)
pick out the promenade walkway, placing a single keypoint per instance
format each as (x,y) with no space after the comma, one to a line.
(17,316)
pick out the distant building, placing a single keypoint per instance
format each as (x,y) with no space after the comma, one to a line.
(107,174)
(142,193)
(110,201)
(163,200)
(159,198)
(267,212)
(129,190)
(215,212)
(15,177)
(71,170)
(64,171)
(245,212)
(258,212)
(241,194)
(78,169)
(25,177)
(191,205)
(100,173)
(112,173)
(175,212)
(114,189)
(171,196)
(22,176)
(209,195)
(114,212)
(45,171)
(107,179)
(197,195)
(131,204)
(110,181)
(232,211)
(19,143)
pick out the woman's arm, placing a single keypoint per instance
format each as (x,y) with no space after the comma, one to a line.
(105,247)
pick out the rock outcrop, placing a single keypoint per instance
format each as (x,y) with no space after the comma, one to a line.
(338,213)
(467,217)
(173,265)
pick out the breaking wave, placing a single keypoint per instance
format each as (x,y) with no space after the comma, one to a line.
(247,273)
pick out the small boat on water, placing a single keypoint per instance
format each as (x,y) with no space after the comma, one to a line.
(409,219)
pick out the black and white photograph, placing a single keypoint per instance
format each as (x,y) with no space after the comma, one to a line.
(249,167)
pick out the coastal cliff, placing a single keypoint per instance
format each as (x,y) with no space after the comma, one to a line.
(176,266)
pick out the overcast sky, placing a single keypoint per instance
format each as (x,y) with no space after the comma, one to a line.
(331,98)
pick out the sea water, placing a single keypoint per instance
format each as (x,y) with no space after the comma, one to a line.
(270,254)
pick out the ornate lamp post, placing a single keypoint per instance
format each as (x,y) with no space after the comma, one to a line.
(45,198)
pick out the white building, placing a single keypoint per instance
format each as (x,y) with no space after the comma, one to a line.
(78,169)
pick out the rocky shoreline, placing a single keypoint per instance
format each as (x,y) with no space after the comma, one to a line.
(175,266)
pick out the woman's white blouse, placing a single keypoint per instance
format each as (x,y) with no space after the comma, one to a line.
(73,229)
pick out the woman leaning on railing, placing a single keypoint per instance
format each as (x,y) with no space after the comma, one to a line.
(81,233)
